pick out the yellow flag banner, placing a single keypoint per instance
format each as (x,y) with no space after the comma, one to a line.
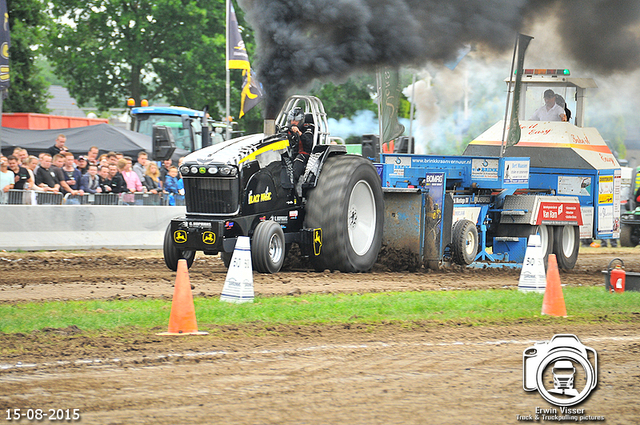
(237,54)
(252,92)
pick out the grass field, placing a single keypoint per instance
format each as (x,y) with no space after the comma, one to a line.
(584,305)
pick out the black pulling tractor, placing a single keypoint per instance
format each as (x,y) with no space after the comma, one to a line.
(244,187)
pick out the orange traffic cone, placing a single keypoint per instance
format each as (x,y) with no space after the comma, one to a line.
(182,320)
(553,303)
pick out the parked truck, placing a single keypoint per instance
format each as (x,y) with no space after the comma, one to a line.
(185,124)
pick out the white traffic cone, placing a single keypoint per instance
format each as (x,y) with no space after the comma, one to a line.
(533,277)
(238,286)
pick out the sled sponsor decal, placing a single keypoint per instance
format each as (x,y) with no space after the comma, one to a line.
(572,185)
(484,169)
(516,172)
(605,190)
(317,241)
(558,211)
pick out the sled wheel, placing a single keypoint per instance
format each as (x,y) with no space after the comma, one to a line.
(629,235)
(546,241)
(172,254)
(566,242)
(464,241)
(347,206)
(267,247)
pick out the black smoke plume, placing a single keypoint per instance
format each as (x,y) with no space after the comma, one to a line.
(300,40)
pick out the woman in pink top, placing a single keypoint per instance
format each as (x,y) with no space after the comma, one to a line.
(130,177)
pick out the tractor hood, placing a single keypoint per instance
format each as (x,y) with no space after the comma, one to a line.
(240,150)
(549,145)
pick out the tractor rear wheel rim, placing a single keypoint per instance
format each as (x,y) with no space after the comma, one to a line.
(361,217)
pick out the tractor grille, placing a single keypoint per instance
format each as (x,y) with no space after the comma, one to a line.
(211,195)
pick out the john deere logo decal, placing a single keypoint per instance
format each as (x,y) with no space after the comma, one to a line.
(209,237)
(317,241)
(179,236)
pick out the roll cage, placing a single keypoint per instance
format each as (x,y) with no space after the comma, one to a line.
(313,109)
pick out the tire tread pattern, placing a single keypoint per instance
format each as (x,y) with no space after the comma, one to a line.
(327,209)
(566,262)
(459,241)
(260,257)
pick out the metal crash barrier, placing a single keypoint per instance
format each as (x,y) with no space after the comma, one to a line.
(31,197)
(35,197)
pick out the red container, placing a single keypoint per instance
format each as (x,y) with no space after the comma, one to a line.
(618,277)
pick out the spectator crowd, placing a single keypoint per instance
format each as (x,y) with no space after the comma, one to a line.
(58,171)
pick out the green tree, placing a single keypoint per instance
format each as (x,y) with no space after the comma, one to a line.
(344,100)
(47,71)
(196,75)
(29,90)
(110,50)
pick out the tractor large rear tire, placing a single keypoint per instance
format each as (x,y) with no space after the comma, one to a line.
(172,254)
(347,205)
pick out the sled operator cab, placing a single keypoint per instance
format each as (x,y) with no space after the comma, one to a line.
(245,187)
(571,169)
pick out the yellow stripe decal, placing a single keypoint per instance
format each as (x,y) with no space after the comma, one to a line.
(275,146)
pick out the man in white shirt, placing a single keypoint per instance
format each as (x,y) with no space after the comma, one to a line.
(550,111)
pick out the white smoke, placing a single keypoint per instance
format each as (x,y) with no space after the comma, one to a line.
(363,122)
(462,103)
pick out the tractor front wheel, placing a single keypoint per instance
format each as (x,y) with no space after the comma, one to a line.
(172,254)
(268,247)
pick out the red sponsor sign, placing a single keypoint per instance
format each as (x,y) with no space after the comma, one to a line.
(559,211)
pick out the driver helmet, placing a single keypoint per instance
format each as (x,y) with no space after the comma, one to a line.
(296,114)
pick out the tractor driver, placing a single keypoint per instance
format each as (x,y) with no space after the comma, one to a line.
(300,134)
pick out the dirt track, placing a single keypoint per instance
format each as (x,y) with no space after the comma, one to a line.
(385,373)
(76,275)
